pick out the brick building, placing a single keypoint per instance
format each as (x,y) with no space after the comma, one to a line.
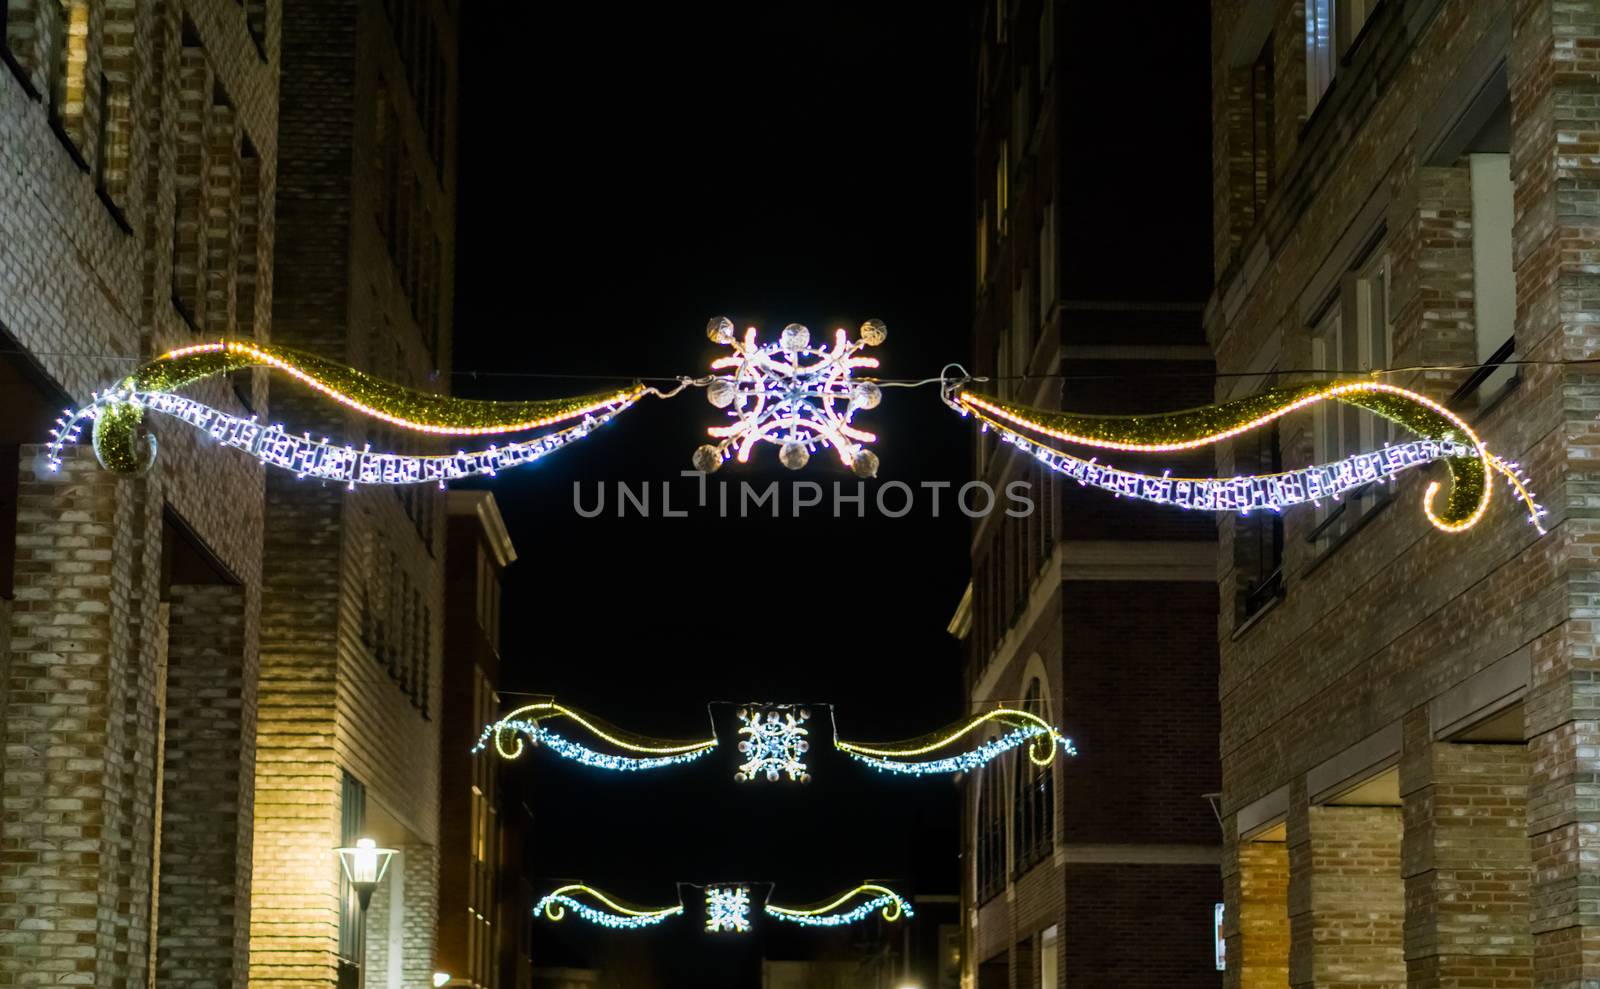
(485,899)
(1095,613)
(353,599)
(138,149)
(1408,719)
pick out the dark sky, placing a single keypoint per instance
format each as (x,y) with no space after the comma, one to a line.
(625,175)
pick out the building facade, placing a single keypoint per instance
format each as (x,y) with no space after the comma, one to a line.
(1094,613)
(139,151)
(485,900)
(353,603)
(1407,717)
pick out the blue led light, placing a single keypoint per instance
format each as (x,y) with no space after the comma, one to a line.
(966,761)
(568,749)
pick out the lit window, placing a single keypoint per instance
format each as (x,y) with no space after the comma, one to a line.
(1320,56)
(1494,288)
(1354,338)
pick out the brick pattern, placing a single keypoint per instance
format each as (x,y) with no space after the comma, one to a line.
(1256,915)
(1346,899)
(206,828)
(1467,866)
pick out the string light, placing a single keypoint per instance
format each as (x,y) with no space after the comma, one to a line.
(968,761)
(309,457)
(896,757)
(793,395)
(524,722)
(776,743)
(1445,437)
(555,904)
(891,904)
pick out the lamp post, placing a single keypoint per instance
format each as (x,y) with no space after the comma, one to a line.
(364,865)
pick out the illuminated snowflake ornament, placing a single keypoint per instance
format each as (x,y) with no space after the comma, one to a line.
(793,395)
(775,743)
(727,909)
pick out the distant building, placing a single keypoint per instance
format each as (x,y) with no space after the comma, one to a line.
(138,153)
(485,903)
(353,608)
(1408,719)
(1098,614)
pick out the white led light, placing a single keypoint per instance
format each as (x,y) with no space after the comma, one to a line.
(892,906)
(776,743)
(966,761)
(568,749)
(727,909)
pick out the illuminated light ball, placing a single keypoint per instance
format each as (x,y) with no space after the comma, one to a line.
(794,455)
(707,458)
(721,393)
(873,333)
(865,464)
(720,330)
(795,337)
(866,395)
(740,777)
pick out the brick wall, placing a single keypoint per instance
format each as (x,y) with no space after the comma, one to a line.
(1381,628)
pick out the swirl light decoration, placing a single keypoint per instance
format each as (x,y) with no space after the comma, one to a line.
(727,908)
(892,906)
(555,904)
(122,446)
(637,752)
(1041,737)
(793,395)
(1444,436)
(776,742)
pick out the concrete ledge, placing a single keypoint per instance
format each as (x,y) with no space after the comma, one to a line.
(1260,815)
(1368,757)
(1489,691)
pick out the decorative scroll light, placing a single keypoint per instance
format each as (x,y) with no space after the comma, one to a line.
(637,752)
(776,744)
(1444,436)
(890,904)
(1029,729)
(793,395)
(556,903)
(121,444)
(728,908)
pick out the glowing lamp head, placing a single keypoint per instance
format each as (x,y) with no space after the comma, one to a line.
(364,866)
(720,330)
(440,979)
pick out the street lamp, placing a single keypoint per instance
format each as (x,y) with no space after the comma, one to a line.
(364,865)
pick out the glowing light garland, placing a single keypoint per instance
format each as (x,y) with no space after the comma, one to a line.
(117,415)
(555,904)
(1445,437)
(892,905)
(775,741)
(776,744)
(1042,738)
(508,733)
(728,908)
(793,395)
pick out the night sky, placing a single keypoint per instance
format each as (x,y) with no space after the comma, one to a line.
(625,176)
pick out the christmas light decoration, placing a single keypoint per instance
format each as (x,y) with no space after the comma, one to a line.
(1445,436)
(891,904)
(1042,739)
(793,395)
(776,743)
(117,415)
(640,753)
(727,909)
(555,904)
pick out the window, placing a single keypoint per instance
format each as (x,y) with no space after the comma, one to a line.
(66,24)
(1047,262)
(1047,39)
(1353,338)
(255,22)
(1262,128)
(1034,818)
(1049,949)
(1494,289)
(1002,186)
(983,242)
(1021,332)
(1320,56)
(1353,16)
(991,834)
(111,148)
(1258,546)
